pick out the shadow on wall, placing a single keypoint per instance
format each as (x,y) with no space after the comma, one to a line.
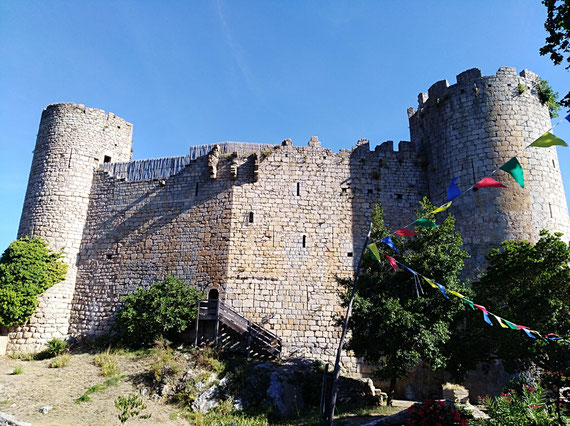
(139,232)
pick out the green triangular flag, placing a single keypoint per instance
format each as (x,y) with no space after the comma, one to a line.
(510,324)
(469,302)
(514,168)
(374,251)
(548,139)
(425,223)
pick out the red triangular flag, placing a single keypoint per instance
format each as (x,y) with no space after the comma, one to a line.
(489,183)
(405,232)
(392,262)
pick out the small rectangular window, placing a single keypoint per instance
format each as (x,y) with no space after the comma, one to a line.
(304,241)
(349,254)
(106,159)
(399,196)
(298,189)
(250,217)
(196,191)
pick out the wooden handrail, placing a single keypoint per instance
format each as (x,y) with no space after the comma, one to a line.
(263,337)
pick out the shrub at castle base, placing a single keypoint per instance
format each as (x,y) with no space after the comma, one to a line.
(165,309)
(27,269)
(531,283)
(394,325)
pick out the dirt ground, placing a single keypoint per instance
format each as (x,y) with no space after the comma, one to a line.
(22,395)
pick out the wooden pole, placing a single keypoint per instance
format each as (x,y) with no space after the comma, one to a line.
(332,401)
(197,319)
(323,392)
(217,321)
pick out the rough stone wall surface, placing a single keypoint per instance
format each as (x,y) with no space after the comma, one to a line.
(473,127)
(139,232)
(301,224)
(72,141)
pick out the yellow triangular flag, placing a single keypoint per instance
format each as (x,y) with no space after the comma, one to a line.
(548,140)
(442,208)
(499,321)
(430,282)
(456,294)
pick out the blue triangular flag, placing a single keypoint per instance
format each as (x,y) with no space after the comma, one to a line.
(409,269)
(486,318)
(567,118)
(527,331)
(442,288)
(453,191)
(388,241)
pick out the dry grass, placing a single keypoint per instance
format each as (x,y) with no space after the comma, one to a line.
(108,363)
(60,361)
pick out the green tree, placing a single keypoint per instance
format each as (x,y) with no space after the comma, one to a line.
(527,284)
(392,326)
(27,269)
(557,44)
(165,309)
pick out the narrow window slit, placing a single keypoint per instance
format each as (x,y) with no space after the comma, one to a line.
(250,217)
(550,208)
(298,189)
(196,191)
(304,241)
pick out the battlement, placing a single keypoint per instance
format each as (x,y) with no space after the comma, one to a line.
(472,83)
(94,114)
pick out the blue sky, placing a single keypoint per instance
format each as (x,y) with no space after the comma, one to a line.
(187,73)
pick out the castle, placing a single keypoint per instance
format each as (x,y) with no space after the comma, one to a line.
(271,226)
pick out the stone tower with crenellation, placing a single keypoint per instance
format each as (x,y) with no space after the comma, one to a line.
(269,227)
(72,142)
(471,128)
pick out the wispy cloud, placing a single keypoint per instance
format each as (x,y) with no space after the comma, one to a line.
(235,48)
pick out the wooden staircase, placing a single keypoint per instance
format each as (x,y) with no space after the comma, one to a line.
(257,338)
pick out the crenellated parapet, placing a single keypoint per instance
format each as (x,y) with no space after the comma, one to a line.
(471,128)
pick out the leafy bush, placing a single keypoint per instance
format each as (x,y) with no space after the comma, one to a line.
(60,361)
(17,370)
(108,363)
(432,412)
(166,309)
(27,269)
(522,406)
(130,406)
(56,347)
(548,97)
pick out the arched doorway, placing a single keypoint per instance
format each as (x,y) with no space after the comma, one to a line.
(213,294)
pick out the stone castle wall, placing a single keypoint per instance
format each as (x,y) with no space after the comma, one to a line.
(302,223)
(473,127)
(271,226)
(72,141)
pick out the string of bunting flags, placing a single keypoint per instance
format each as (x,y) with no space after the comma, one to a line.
(512,167)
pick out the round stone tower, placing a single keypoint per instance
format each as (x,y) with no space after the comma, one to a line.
(72,141)
(469,129)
